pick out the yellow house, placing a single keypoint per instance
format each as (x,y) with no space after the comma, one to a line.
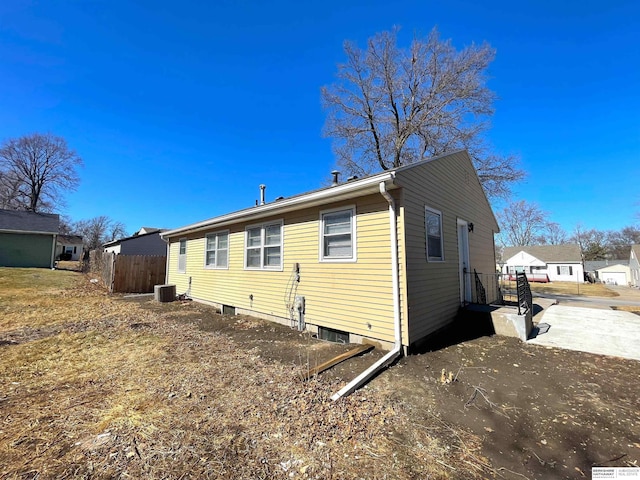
(379,259)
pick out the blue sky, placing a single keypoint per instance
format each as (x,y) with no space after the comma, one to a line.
(181,109)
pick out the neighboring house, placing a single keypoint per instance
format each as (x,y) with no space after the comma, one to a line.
(386,257)
(634,265)
(148,243)
(545,263)
(616,274)
(28,239)
(69,244)
(591,266)
(144,230)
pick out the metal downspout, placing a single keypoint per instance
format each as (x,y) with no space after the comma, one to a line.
(53,251)
(397,349)
(166,268)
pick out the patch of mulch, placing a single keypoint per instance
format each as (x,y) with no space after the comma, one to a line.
(540,412)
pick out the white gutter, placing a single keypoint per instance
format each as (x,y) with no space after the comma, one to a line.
(397,349)
(53,251)
(28,232)
(166,268)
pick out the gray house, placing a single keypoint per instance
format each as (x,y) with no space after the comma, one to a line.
(146,241)
(634,265)
(28,239)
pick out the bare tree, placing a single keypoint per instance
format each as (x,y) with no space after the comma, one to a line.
(99,230)
(116,230)
(553,234)
(393,106)
(593,243)
(43,165)
(10,196)
(522,224)
(619,242)
(66,226)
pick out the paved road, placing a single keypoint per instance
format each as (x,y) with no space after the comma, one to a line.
(592,302)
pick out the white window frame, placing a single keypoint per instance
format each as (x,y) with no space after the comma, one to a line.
(354,251)
(184,269)
(263,227)
(216,249)
(565,268)
(430,258)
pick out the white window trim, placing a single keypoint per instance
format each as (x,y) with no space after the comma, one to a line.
(214,267)
(262,226)
(186,248)
(426,235)
(354,243)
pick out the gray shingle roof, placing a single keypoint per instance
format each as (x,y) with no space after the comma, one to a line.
(67,239)
(29,221)
(593,265)
(547,253)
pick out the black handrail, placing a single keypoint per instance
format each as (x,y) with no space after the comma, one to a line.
(525,299)
(481,292)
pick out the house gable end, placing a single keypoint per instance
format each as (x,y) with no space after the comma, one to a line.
(458,167)
(522,259)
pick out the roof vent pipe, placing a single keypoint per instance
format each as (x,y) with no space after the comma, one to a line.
(335,174)
(262,189)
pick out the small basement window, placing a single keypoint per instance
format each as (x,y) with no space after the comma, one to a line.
(331,335)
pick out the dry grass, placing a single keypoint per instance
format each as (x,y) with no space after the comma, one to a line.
(75,265)
(569,288)
(628,308)
(97,387)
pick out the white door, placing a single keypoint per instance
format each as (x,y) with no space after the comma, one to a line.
(463,258)
(614,278)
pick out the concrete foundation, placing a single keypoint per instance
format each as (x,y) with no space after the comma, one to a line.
(505,320)
(309,327)
(508,323)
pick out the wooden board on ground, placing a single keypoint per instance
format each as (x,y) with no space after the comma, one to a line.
(336,360)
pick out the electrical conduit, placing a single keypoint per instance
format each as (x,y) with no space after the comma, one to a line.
(397,349)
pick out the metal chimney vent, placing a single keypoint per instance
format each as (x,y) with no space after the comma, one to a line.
(335,174)
(262,189)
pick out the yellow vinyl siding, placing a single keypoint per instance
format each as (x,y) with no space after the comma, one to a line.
(343,296)
(449,185)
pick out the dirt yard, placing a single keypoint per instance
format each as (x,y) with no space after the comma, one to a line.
(101,387)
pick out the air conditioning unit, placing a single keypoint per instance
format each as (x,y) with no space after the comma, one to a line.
(164,293)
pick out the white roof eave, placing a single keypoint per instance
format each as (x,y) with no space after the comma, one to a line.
(340,192)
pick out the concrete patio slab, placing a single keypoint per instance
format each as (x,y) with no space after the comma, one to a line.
(605,332)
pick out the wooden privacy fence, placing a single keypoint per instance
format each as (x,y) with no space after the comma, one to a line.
(129,273)
(101,263)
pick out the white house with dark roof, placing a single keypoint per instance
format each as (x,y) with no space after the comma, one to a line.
(545,263)
(28,239)
(70,245)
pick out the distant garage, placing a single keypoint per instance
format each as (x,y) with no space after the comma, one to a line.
(27,239)
(614,275)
